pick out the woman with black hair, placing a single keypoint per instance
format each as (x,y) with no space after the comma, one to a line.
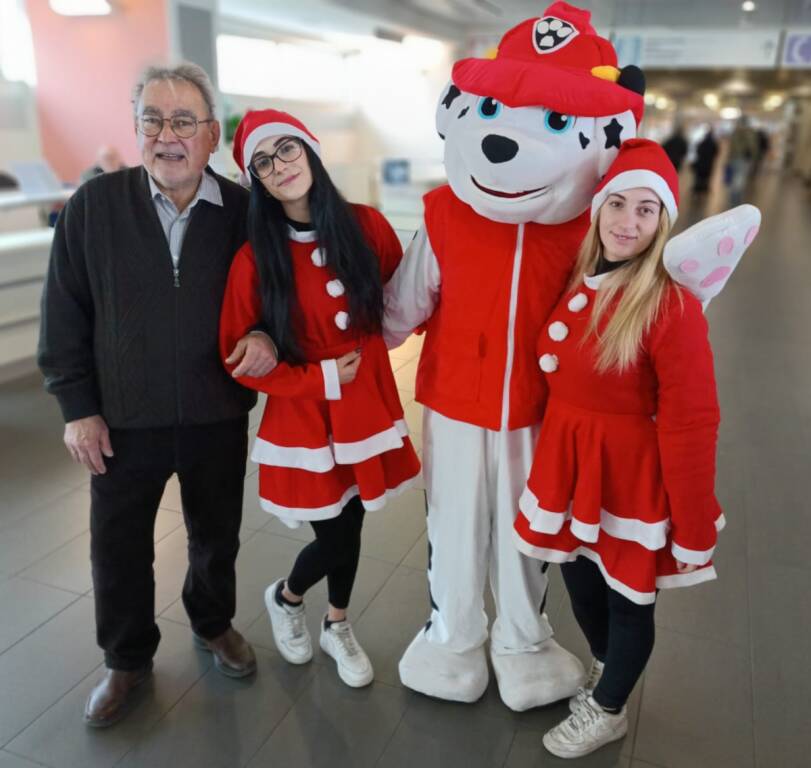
(333,442)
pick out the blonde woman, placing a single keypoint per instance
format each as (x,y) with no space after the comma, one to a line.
(622,488)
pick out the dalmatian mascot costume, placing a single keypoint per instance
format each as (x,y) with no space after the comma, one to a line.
(528,136)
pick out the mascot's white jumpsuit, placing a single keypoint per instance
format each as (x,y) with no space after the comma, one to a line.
(528,135)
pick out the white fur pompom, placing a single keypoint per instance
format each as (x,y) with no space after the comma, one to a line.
(558,331)
(548,363)
(578,302)
(335,288)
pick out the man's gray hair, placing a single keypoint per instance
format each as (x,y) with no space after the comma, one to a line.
(185,72)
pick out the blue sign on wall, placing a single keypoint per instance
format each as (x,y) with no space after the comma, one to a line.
(797,50)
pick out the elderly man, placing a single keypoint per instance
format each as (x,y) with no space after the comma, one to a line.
(128,346)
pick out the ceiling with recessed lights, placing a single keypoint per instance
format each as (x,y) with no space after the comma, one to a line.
(461,21)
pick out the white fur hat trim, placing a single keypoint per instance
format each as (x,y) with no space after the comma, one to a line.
(639,177)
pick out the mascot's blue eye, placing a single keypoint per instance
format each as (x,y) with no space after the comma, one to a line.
(489,108)
(557,122)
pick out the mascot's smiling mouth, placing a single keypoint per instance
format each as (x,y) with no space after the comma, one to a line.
(510,195)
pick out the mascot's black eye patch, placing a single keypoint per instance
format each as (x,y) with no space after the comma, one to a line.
(462,113)
(612,134)
(584,142)
(453,93)
(441,136)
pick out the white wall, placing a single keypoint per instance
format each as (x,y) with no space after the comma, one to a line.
(387,111)
(801,138)
(335,126)
(19,129)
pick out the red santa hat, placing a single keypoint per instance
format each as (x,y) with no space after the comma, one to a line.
(556,61)
(258,124)
(641,163)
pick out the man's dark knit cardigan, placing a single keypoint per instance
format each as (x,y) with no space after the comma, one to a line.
(120,336)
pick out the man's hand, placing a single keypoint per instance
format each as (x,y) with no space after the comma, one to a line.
(256,355)
(88,440)
(348,366)
(685,567)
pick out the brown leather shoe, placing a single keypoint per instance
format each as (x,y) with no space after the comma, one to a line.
(112,698)
(233,655)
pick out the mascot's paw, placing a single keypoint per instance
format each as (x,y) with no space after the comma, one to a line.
(703,257)
(435,671)
(527,680)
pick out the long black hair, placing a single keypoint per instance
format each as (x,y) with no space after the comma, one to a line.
(348,256)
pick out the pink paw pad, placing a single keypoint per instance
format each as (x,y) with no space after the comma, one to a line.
(688,266)
(715,276)
(725,246)
(751,235)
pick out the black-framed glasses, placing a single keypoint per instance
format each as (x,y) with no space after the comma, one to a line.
(183,126)
(263,165)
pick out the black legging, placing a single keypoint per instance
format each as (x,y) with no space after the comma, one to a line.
(619,631)
(333,553)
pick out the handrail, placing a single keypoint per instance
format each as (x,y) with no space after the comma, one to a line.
(12,200)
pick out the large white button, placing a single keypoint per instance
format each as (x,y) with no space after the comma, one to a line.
(342,320)
(318,257)
(335,288)
(548,363)
(578,302)
(558,331)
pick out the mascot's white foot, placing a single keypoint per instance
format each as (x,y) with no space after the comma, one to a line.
(527,680)
(435,671)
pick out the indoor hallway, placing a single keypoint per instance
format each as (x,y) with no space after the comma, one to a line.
(728,685)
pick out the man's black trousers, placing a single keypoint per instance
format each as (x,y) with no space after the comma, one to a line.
(210,464)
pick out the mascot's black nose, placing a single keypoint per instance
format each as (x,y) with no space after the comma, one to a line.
(499,149)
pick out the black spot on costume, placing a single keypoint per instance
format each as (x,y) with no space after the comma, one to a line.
(452,93)
(612,134)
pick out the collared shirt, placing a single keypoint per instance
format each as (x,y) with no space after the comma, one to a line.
(173,222)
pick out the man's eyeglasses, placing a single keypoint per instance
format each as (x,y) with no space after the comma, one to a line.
(263,165)
(183,126)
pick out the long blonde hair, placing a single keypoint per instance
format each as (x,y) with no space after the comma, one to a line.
(641,285)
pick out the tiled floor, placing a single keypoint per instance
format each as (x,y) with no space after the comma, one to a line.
(728,686)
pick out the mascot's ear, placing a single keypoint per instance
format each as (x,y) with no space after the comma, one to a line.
(610,132)
(447,108)
(632,78)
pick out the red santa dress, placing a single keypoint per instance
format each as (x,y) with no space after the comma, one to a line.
(321,442)
(624,469)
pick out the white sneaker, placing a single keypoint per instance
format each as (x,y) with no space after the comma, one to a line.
(588,728)
(339,641)
(289,628)
(585,690)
